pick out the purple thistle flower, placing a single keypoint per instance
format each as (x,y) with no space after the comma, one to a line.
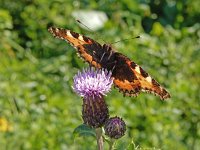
(92,82)
(92,85)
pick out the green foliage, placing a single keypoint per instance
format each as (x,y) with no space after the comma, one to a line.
(36,73)
(84,130)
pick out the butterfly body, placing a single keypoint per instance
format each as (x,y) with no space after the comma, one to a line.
(129,77)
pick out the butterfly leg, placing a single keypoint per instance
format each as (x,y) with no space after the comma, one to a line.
(115,62)
(107,50)
(102,57)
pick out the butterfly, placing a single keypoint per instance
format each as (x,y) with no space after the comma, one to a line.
(128,77)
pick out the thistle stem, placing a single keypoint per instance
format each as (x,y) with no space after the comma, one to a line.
(111,144)
(99,138)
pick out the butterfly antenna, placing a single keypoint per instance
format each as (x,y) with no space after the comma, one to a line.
(136,37)
(89,28)
(84,25)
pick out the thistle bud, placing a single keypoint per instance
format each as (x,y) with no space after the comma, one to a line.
(115,127)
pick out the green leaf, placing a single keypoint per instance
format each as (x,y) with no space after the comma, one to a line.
(84,130)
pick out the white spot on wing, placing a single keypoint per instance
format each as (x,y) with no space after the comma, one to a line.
(137,69)
(57,30)
(69,34)
(149,79)
(80,38)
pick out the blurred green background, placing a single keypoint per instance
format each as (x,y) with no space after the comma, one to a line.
(38,108)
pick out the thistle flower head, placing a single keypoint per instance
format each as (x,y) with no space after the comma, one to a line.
(92,85)
(92,82)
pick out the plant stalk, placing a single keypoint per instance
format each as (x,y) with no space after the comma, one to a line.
(111,144)
(99,138)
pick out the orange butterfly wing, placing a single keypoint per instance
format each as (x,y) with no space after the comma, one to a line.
(129,77)
(77,41)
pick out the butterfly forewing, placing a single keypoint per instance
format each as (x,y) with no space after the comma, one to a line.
(147,83)
(78,41)
(131,79)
